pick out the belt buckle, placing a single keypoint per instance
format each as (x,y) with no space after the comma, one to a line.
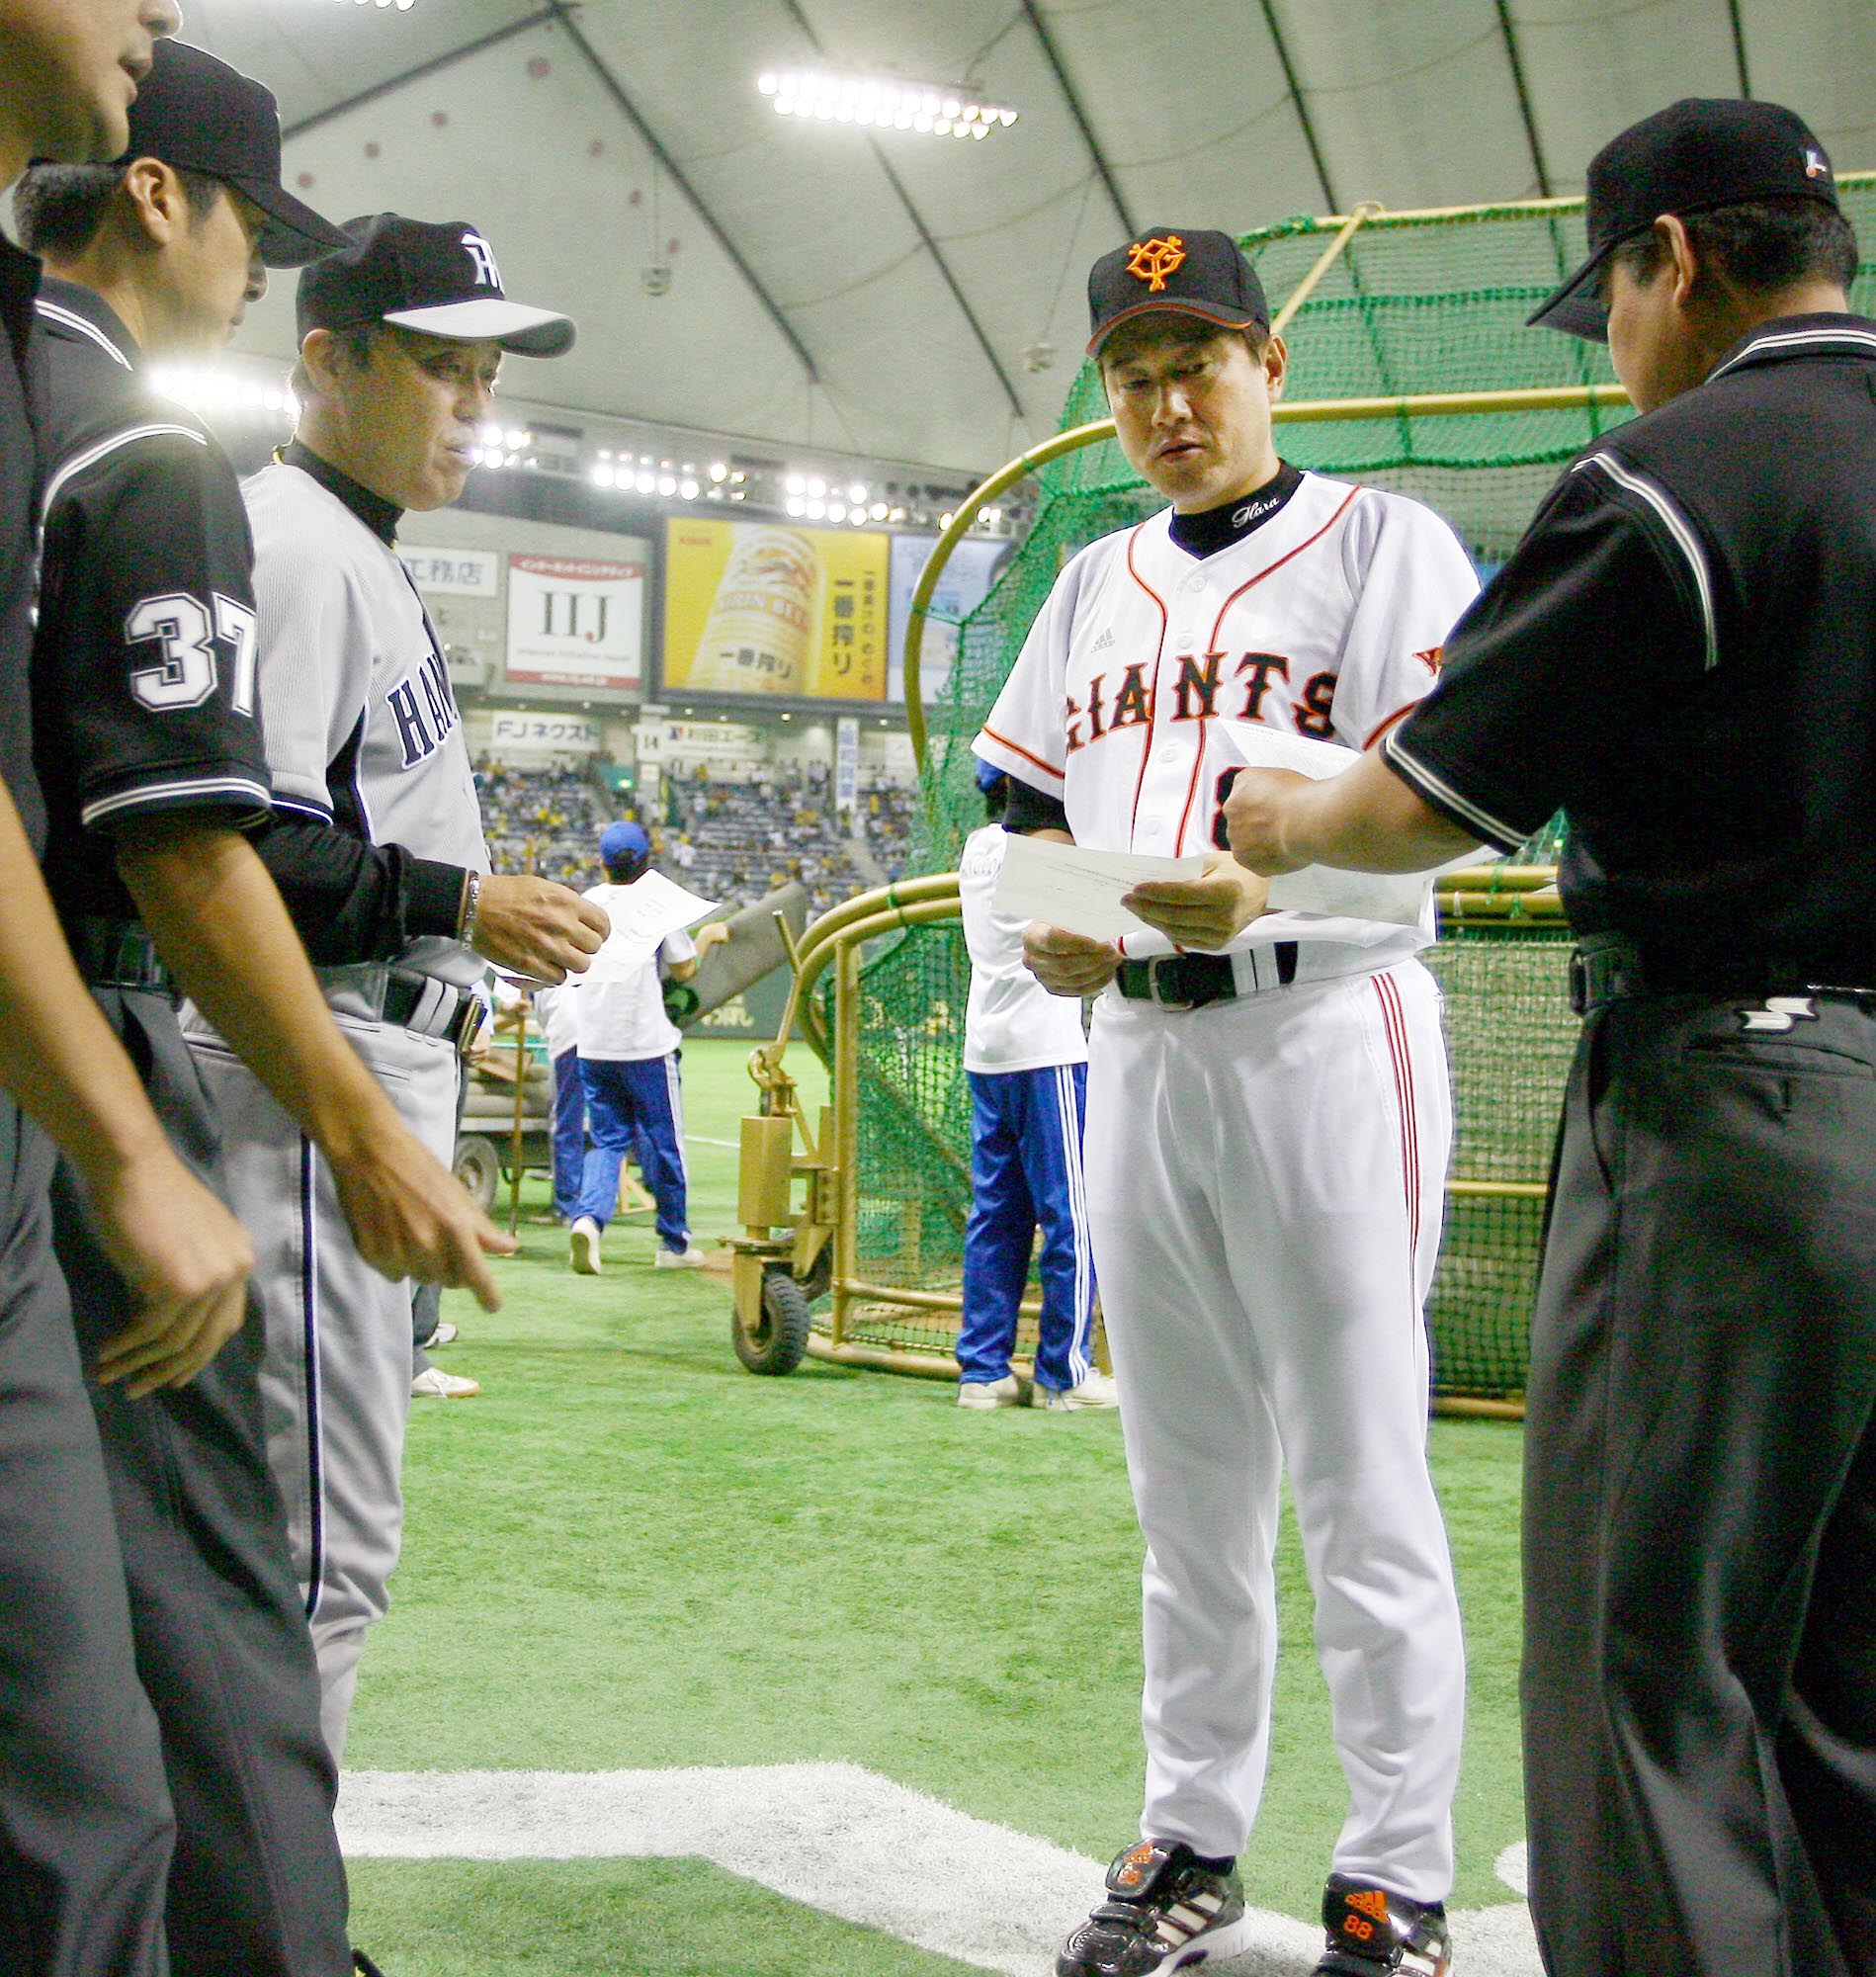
(1153,985)
(467,1025)
(1578,985)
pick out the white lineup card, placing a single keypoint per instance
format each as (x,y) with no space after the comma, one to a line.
(1077,889)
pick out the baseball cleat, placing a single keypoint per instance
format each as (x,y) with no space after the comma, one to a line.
(434,1384)
(690,1258)
(364,1965)
(1371,1931)
(1163,1913)
(1096,1391)
(981,1396)
(445,1334)
(582,1247)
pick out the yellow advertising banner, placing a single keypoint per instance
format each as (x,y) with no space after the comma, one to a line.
(756,608)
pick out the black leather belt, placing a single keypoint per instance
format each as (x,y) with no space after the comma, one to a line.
(432,1008)
(1191,980)
(120,954)
(1610,968)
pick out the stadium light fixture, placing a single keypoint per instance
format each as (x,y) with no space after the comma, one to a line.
(885,103)
(402,6)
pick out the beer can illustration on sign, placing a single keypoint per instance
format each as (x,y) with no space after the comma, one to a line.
(757,637)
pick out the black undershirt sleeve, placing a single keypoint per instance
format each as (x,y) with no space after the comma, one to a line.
(1029,809)
(352,900)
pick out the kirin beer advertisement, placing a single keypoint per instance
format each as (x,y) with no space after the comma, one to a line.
(576,621)
(755,608)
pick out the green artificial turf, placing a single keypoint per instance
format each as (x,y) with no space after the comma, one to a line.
(630,1553)
(607,1918)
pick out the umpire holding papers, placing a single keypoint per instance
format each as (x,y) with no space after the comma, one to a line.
(1681,655)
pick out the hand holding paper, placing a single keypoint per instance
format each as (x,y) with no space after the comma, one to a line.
(1399,899)
(643,914)
(1077,889)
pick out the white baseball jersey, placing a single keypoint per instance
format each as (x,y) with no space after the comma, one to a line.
(1327,621)
(556,1012)
(1011,1023)
(355,696)
(1264,1173)
(623,1020)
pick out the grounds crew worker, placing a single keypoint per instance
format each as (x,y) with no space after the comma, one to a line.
(150,756)
(376,844)
(1682,655)
(85,1826)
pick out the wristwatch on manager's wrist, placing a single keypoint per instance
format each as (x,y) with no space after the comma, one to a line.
(472,899)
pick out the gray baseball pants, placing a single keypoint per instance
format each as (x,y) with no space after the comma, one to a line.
(335,1380)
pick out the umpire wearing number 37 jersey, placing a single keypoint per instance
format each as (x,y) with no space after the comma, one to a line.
(145,715)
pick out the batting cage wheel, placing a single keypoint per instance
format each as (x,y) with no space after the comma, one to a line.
(777,1341)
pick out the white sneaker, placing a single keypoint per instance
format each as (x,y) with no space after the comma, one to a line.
(445,1334)
(981,1396)
(434,1384)
(582,1244)
(1096,1391)
(690,1258)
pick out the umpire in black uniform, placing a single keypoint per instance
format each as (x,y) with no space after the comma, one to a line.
(1681,655)
(149,750)
(85,1826)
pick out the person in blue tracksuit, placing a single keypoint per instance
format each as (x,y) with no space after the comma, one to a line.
(1026,1059)
(628,1066)
(554,1011)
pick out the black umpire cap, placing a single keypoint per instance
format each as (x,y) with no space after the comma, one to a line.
(1699,153)
(437,277)
(198,115)
(1189,269)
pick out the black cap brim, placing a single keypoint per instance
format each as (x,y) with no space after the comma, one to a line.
(1161,305)
(1577,308)
(293,234)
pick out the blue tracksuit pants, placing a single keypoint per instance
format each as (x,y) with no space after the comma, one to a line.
(636,1103)
(569,1134)
(1025,1170)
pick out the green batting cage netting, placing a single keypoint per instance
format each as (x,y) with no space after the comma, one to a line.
(1414,305)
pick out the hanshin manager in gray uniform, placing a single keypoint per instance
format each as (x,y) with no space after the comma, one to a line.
(378,848)
(1682,654)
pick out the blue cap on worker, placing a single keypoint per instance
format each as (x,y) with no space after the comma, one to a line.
(989,775)
(622,840)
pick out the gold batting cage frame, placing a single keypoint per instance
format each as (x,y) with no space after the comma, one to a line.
(803,1286)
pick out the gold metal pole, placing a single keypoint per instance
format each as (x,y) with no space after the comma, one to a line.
(844,1091)
(1332,253)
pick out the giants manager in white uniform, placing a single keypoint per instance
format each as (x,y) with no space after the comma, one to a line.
(381,862)
(1267,1125)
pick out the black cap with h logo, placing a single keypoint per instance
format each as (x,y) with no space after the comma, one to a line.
(437,277)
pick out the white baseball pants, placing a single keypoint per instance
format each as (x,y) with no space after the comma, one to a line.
(1265,1181)
(335,1382)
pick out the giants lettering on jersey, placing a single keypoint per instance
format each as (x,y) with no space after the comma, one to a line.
(1318,624)
(423,708)
(1198,695)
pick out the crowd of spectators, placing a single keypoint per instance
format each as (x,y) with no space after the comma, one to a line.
(732,841)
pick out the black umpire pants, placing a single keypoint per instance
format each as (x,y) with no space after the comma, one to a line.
(1700,1501)
(85,1825)
(257,1888)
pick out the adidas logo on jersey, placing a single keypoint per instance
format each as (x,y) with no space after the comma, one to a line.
(1105,641)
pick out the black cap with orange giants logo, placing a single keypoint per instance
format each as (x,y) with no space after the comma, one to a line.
(1192,271)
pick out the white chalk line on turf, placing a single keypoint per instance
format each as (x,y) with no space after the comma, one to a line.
(831,1837)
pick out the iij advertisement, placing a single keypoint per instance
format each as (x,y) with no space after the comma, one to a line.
(758,609)
(575,621)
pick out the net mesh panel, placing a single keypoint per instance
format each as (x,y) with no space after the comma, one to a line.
(1413,305)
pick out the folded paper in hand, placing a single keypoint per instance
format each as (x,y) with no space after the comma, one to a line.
(1397,898)
(642,915)
(1077,889)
